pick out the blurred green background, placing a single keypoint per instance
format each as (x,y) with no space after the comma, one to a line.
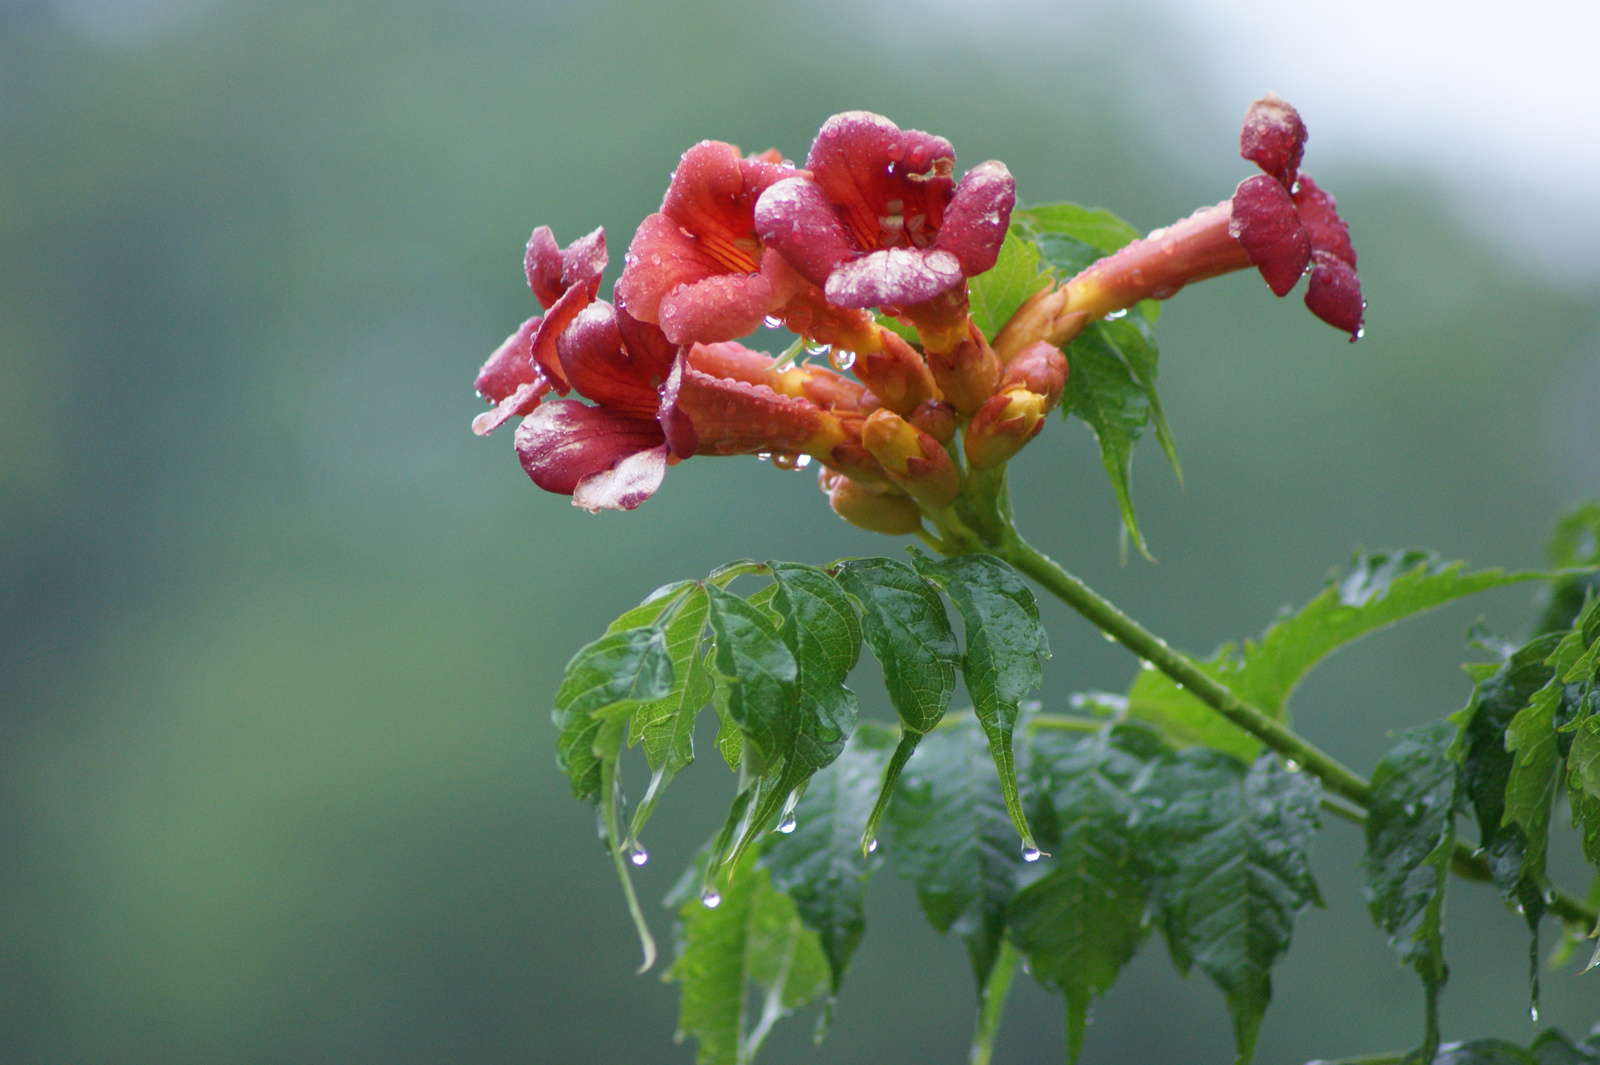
(278,635)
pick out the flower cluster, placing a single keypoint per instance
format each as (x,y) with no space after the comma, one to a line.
(871,242)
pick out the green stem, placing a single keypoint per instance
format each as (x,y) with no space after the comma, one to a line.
(1335,777)
(993,1003)
(1151,648)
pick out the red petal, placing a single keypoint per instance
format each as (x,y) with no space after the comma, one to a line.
(709,415)
(509,367)
(661,258)
(599,367)
(1266,225)
(519,403)
(975,221)
(542,261)
(896,276)
(1329,232)
(584,260)
(717,308)
(865,163)
(1273,138)
(545,356)
(796,220)
(564,442)
(624,486)
(1334,294)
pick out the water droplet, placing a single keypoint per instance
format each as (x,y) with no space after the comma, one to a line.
(872,845)
(710,899)
(801,462)
(763,455)
(1114,315)
(1145,663)
(1411,809)
(786,825)
(1108,637)
(816,349)
(841,360)
(1533,1012)
(637,854)
(773,323)
(1291,765)
(1180,686)
(1031,854)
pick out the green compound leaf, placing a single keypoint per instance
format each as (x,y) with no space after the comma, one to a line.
(996,294)
(1486,768)
(1005,644)
(1411,834)
(1131,339)
(819,627)
(752,937)
(1233,849)
(1103,394)
(1485,1052)
(904,622)
(666,726)
(1071,237)
(815,858)
(606,679)
(1583,781)
(954,841)
(1084,920)
(1535,767)
(759,674)
(1575,542)
(821,631)
(1379,590)
(1553,1048)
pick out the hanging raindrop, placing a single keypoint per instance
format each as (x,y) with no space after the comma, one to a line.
(786,825)
(841,360)
(710,899)
(637,854)
(1031,854)
(872,845)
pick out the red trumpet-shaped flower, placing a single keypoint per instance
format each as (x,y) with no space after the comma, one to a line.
(1279,221)
(613,454)
(656,403)
(880,220)
(525,367)
(697,267)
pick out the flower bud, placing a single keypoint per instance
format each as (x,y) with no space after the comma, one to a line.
(1040,368)
(896,374)
(968,374)
(887,512)
(936,418)
(913,460)
(1002,427)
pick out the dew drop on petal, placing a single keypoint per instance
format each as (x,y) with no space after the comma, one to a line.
(841,360)
(786,826)
(773,323)
(1114,315)
(710,899)
(763,455)
(1031,854)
